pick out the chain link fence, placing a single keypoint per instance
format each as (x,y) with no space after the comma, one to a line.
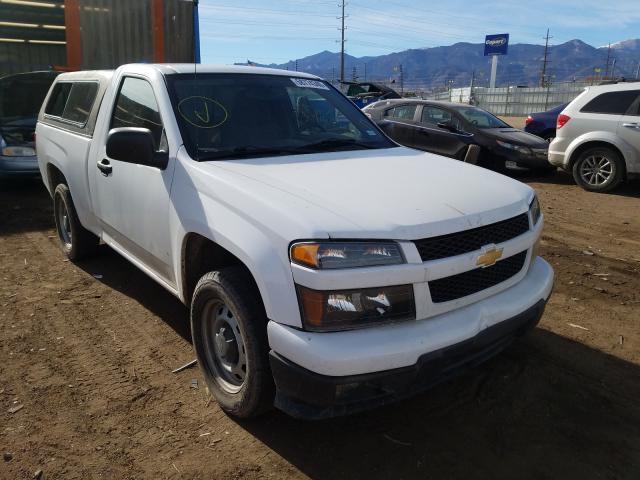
(513,101)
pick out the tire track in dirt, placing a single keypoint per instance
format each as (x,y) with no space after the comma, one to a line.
(109,368)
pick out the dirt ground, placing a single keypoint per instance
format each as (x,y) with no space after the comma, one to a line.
(87,350)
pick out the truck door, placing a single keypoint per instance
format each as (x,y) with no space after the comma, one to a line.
(132,200)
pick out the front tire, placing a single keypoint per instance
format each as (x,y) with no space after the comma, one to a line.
(76,241)
(598,169)
(229,333)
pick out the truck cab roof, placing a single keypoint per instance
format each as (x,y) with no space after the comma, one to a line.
(177,68)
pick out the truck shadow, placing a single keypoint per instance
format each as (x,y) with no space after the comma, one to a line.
(117,273)
(547,407)
(26,206)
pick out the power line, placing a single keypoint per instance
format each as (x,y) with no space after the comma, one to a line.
(264,10)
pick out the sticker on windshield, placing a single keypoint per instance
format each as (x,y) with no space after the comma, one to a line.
(304,83)
(371,133)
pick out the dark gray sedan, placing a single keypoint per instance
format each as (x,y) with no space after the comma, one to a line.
(460,131)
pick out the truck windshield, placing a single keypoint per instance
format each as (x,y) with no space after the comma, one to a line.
(225,116)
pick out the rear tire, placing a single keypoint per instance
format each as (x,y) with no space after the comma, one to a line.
(229,333)
(76,241)
(598,169)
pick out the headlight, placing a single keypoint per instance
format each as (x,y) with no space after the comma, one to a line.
(348,309)
(534,210)
(330,255)
(18,152)
(517,148)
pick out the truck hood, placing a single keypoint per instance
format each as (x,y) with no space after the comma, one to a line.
(395,193)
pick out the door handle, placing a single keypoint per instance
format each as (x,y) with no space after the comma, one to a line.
(631,125)
(104,166)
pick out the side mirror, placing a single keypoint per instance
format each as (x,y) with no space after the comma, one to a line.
(447,126)
(135,145)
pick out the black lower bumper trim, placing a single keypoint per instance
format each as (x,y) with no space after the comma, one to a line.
(305,394)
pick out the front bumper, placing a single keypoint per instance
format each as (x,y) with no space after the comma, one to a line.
(327,374)
(19,166)
(304,394)
(537,159)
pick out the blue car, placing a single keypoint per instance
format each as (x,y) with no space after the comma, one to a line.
(365,93)
(543,124)
(21,96)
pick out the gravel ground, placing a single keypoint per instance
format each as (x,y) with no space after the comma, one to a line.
(87,351)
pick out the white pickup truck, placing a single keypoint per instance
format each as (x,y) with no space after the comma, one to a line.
(326,268)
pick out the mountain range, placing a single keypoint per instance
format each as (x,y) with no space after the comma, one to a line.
(455,64)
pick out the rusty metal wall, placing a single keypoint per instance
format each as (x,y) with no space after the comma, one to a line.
(178,37)
(115,32)
(36,46)
(24,57)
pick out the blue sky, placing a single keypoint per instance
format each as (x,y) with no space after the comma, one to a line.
(270,31)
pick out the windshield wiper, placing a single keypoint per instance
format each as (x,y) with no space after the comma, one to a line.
(336,143)
(246,152)
(251,151)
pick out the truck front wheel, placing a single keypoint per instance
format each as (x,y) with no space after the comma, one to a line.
(228,329)
(77,242)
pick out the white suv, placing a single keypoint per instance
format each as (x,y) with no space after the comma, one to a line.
(598,136)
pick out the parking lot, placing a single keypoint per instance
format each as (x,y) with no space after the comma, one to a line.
(88,351)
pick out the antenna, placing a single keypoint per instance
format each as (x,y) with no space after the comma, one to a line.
(196,58)
(196,51)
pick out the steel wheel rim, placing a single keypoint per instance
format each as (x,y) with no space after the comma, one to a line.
(224,346)
(63,223)
(596,170)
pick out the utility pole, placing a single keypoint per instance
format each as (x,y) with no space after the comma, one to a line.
(354,74)
(543,76)
(401,81)
(342,40)
(606,70)
(471,87)
(365,71)
(638,71)
(296,65)
(613,69)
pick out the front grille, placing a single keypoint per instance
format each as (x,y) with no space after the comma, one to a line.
(467,241)
(473,281)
